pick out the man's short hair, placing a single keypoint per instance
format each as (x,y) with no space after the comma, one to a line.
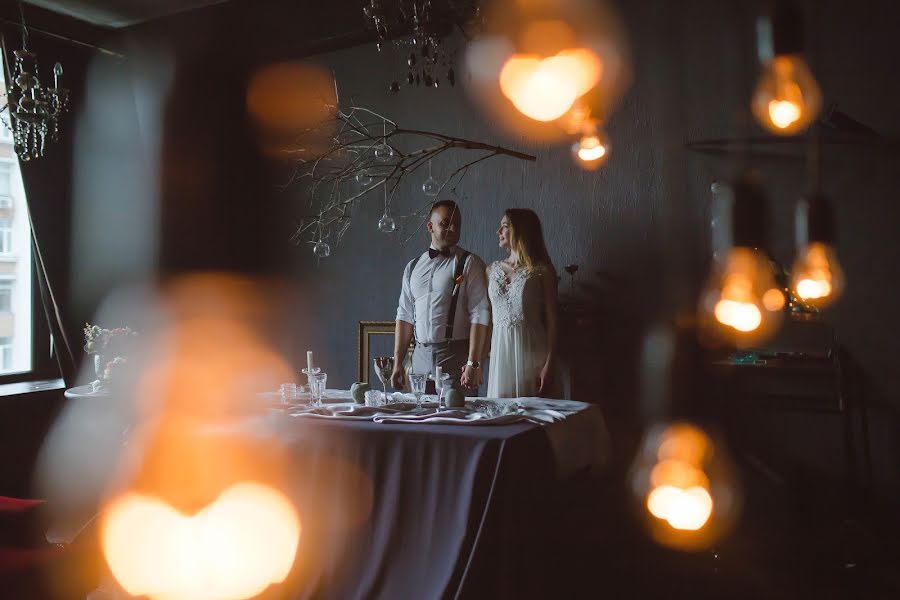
(448,203)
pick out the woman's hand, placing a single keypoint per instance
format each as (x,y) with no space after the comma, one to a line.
(544,379)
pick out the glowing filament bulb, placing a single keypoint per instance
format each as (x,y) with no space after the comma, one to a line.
(787,98)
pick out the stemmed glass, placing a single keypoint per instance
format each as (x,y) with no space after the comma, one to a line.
(384,367)
(417,382)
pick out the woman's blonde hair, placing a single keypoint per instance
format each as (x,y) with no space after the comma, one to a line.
(526,237)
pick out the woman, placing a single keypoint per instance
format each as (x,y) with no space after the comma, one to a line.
(522,290)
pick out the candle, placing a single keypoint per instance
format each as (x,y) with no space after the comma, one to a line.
(309,360)
(438,373)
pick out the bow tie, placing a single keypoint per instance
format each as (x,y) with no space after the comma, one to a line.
(445,252)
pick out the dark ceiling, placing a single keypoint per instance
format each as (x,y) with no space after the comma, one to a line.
(119,13)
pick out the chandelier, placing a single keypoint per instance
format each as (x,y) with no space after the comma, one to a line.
(418,29)
(34,109)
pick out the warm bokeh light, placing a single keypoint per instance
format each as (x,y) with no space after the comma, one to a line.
(743,316)
(684,485)
(549,60)
(285,99)
(545,88)
(591,150)
(232,549)
(817,275)
(813,289)
(787,98)
(742,299)
(684,509)
(773,299)
(783,113)
(684,442)
(191,498)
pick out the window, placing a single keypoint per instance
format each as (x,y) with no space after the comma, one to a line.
(6,295)
(6,353)
(6,238)
(21,358)
(6,200)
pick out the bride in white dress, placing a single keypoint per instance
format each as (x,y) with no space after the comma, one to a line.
(523,296)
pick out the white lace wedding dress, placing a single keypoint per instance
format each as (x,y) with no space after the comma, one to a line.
(519,340)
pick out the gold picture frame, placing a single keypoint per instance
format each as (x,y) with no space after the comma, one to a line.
(364,344)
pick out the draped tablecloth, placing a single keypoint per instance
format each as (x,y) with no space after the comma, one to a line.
(425,510)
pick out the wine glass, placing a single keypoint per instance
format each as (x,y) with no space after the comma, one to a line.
(384,367)
(417,382)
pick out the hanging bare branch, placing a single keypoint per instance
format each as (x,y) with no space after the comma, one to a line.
(357,153)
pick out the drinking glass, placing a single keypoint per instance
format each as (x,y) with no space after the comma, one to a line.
(417,382)
(384,367)
(442,386)
(288,393)
(317,387)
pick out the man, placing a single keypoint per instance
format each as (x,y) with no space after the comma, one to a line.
(444,299)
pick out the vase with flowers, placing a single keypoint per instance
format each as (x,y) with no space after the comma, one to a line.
(109,349)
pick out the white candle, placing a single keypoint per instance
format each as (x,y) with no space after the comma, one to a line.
(438,373)
(309,360)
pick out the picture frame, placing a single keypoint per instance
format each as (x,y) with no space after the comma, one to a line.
(368,340)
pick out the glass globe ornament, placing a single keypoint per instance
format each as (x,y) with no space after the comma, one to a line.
(431,186)
(363,178)
(387,224)
(321,249)
(383,153)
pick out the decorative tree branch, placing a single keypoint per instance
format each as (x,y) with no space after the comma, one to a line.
(357,153)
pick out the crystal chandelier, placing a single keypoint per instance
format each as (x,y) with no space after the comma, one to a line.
(418,28)
(34,109)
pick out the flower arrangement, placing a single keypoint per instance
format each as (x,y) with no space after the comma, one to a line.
(110,349)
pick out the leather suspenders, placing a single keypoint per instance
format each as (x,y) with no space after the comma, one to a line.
(457,273)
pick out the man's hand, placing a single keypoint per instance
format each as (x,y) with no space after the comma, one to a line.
(471,377)
(398,378)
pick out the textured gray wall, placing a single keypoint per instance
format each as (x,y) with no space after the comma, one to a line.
(638,226)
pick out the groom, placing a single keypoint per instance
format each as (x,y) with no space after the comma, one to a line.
(444,299)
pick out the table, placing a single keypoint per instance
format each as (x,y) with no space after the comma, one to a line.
(84,391)
(427,510)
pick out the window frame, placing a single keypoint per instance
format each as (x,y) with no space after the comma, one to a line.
(6,200)
(44,363)
(44,354)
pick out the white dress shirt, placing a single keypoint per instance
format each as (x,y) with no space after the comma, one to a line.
(425,296)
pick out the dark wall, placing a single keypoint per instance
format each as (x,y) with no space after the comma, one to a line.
(638,227)
(642,218)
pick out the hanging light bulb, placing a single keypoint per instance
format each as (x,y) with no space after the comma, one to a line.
(681,478)
(684,484)
(741,301)
(547,59)
(591,150)
(817,277)
(787,97)
(386,223)
(431,187)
